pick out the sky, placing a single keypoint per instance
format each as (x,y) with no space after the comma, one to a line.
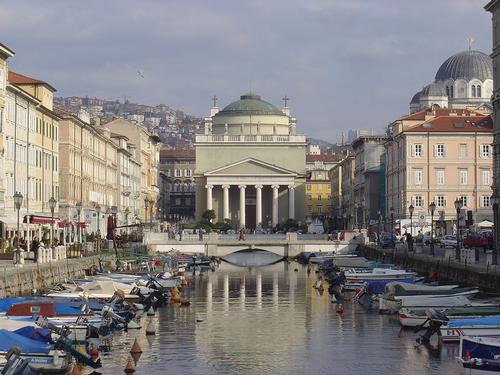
(344,64)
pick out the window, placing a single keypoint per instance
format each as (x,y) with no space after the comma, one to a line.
(308,186)
(485,200)
(188,201)
(462,176)
(177,201)
(178,173)
(418,176)
(464,200)
(485,151)
(417,150)
(188,172)
(478,91)
(447,91)
(473,89)
(440,201)
(418,201)
(451,91)
(309,208)
(309,197)
(485,177)
(462,150)
(319,197)
(440,176)
(440,150)
(319,209)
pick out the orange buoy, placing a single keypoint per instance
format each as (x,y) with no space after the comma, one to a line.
(135,347)
(75,370)
(129,369)
(94,352)
(340,308)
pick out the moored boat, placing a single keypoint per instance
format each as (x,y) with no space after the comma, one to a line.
(413,317)
(479,355)
(483,326)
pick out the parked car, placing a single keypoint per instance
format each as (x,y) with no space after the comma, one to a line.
(476,240)
(448,241)
(387,239)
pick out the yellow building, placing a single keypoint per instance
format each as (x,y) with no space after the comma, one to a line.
(318,194)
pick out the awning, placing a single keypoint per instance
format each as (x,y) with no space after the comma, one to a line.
(485,224)
(64,224)
(38,219)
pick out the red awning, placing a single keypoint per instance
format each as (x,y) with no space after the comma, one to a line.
(81,224)
(37,219)
(64,224)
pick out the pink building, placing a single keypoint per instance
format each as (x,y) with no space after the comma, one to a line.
(438,156)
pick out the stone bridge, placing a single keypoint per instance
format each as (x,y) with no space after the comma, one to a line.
(221,245)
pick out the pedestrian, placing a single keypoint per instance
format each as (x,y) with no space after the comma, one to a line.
(35,244)
(200,234)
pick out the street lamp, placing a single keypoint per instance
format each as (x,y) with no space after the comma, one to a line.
(410,210)
(52,206)
(379,215)
(458,207)
(432,208)
(98,231)
(18,202)
(495,200)
(146,205)
(78,228)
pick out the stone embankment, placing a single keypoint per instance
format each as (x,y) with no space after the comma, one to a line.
(446,268)
(34,278)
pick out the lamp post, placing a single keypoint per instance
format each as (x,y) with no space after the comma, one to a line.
(18,202)
(379,216)
(392,219)
(52,206)
(146,205)
(114,210)
(495,200)
(410,210)
(432,208)
(78,228)
(98,230)
(151,206)
(458,207)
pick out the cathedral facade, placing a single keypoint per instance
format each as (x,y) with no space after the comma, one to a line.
(250,165)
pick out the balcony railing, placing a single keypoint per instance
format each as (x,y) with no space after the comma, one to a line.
(215,138)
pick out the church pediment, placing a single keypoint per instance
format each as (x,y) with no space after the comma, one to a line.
(250,167)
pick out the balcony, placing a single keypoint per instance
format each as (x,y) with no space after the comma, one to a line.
(225,138)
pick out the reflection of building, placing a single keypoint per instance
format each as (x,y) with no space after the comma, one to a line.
(368,178)
(494,7)
(464,80)
(250,164)
(147,154)
(318,196)
(438,156)
(177,167)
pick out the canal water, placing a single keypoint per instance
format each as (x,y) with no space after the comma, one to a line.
(270,320)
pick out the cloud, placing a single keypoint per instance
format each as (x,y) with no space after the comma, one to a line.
(345,63)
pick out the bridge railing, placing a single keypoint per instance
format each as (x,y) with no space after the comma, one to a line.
(312,236)
(252,237)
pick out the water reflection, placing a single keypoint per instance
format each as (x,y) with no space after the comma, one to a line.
(270,320)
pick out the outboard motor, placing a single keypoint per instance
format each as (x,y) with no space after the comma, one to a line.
(436,319)
(16,365)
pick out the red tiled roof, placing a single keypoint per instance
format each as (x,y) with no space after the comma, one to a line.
(177,153)
(456,124)
(326,158)
(420,115)
(20,79)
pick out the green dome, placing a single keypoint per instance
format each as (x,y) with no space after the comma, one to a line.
(251,104)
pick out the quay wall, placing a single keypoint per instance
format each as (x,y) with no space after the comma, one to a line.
(486,277)
(35,278)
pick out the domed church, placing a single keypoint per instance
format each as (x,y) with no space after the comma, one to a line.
(464,80)
(250,164)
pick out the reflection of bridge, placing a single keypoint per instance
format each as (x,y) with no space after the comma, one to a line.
(213,244)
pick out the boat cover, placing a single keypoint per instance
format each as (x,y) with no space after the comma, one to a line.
(37,334)
(9,339)
(378,286)
(67,310)
(6,303)
(482,321)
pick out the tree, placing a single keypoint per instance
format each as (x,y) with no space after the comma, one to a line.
(208,215)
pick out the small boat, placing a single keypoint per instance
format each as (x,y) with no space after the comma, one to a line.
(40,356)
(415,317)
(479,355)
(356,275)
(483,326)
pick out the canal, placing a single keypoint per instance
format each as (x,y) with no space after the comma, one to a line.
(270,320)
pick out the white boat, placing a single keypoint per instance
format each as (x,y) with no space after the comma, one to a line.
(483,327)
(356,275)
(414,317)
(479,355)
(393,305)
(97,289)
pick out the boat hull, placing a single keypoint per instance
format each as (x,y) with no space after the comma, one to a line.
(54,363)
(453,334)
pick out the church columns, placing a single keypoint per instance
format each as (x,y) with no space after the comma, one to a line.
(258,205)
(275,205)
(242,205)
(225,190)
(209,196)
(291,201)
